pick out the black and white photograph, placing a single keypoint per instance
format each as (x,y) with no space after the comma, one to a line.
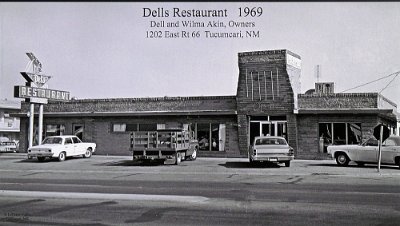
(199,113)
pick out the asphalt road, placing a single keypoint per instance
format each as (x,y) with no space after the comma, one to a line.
(106,190)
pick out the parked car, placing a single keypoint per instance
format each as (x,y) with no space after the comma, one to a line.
(61,147)
(8,146)
(367,152)
(270,149)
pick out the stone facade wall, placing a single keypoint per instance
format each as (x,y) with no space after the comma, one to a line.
(266,86)
(143,104)
(338,100)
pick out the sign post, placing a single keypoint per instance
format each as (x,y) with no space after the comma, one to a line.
(380,148)
(40,127)
(31,117)
(381,133)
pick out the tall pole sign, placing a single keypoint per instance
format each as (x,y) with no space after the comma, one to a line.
(37,92)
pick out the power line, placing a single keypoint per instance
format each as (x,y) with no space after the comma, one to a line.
(390,82)
(395,73)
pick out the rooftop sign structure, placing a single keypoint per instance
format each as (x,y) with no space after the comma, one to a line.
(36,90)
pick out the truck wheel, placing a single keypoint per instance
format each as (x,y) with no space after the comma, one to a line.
(287,164)
(41,159)
(194,155)
(178,158)
(61,156)
(88,153)
(342,159)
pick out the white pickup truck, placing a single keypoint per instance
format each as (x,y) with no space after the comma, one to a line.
(61,147)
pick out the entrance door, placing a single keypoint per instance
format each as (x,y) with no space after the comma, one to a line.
(78,130)
(268,128)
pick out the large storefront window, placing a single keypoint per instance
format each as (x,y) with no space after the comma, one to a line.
(203,136)
(55,130)
(211,136)
(268,126)
(338,134)
(131,127)
(354,133)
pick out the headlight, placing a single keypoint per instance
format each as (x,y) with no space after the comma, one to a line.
(255,152)
(291,151)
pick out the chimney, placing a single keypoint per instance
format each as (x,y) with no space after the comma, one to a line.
(324,88)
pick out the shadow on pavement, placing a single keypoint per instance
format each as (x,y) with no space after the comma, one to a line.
(367,166)
(47,160)
(131,163)
(249,165)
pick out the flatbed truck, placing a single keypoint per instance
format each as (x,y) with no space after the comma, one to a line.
(167,146)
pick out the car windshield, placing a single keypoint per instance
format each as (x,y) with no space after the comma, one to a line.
(270,141)
(392,141)
(52,140)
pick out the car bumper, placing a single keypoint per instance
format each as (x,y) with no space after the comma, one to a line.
(272,159)
(32,155)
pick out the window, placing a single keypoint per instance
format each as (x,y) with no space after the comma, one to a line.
(78,130)
(354,133)
(211,136)
(203,134)
(372,142)
(52,140)
(76,140)
(338,134)
(147,127)
(132,127)
(389,143)
(55,130)
(68,141)
(124,127)
(119,127)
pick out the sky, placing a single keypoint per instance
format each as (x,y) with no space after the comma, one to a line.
(100,49)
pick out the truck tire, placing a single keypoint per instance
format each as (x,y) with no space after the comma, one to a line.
(178,158)
(194,155)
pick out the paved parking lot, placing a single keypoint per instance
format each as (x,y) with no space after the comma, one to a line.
(208,191)
(202,167)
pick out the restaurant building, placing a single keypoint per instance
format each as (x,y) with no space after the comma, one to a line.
(268,102)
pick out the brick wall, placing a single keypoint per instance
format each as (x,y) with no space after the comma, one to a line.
(99,130)
(243,133)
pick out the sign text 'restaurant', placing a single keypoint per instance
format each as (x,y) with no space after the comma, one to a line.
(28,92)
